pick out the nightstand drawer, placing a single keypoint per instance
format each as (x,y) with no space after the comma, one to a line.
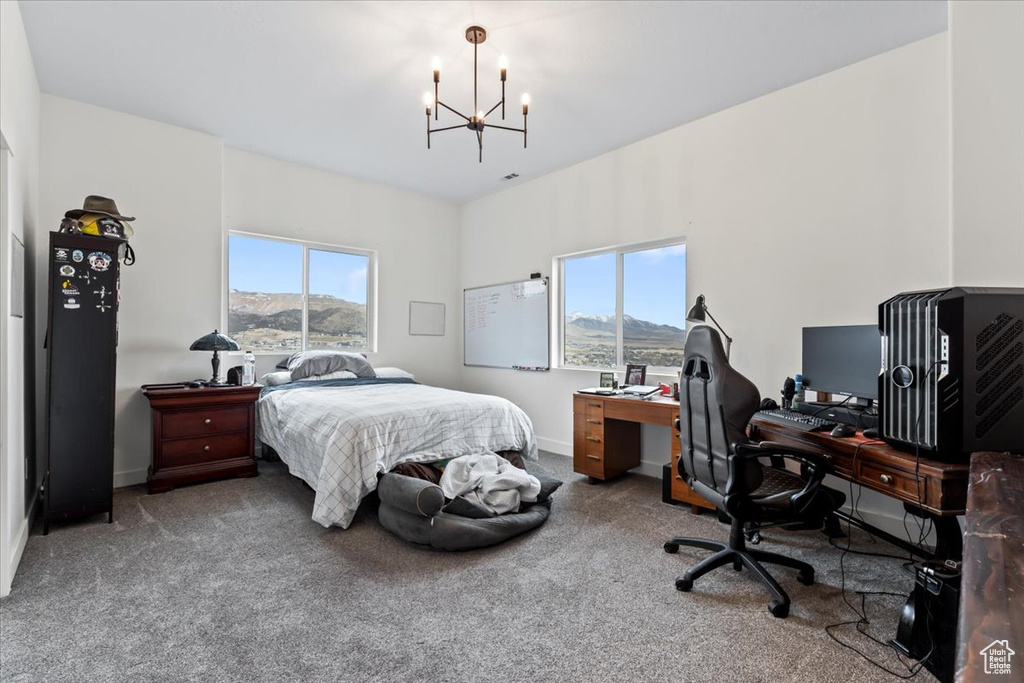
(185,423)
(205,449)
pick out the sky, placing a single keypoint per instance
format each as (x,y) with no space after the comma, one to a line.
(274,267)
(654,285)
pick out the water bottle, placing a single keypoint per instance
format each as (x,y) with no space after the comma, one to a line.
(248,369)
(798,397)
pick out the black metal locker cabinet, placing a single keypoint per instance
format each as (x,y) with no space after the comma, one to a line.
(81,364)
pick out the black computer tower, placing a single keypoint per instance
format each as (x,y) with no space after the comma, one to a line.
(928,622)
(952,378)
(81,362)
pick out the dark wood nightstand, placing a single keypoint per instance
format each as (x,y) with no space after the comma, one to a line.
(201,434)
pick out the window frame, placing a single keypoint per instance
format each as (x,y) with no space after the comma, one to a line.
(558,268)
(371,287)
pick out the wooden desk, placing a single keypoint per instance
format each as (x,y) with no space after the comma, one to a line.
(928,488)
(606,438)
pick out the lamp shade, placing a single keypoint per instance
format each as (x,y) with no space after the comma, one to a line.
(698,313)
(215,341)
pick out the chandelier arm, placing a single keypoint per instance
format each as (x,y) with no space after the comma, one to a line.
(502,97)
(442,104)
(480,142)
(514,130)
(499,104)
(438,130)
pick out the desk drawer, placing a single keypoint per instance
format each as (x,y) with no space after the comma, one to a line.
(185,423)
(204,449)
(893,482)
(594,410)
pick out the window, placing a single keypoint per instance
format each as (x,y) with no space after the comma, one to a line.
(286,296)
(625,305)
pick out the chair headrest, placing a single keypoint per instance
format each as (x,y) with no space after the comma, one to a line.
(705,342)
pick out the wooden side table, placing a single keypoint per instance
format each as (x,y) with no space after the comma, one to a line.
(200,434)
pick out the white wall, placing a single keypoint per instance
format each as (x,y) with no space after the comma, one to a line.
(987,86)
(170,179)
(19,125)
(186,189)
(416,239)
(815,195)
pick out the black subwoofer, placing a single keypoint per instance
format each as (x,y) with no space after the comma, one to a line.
(952,376)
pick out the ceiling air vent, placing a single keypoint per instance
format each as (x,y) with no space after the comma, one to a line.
(510,176)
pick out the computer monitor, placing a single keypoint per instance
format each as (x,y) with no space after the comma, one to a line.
(844,359)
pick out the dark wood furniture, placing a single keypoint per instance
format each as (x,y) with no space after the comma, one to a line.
(81,364)
(606,439)
(201,434)
(990,593)
(928,488)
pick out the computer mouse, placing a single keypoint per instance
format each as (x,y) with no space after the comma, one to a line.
(843,431)
(197,384)
(871,433)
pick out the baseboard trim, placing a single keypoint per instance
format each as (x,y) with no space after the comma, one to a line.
(553,446)
(19,548)
(130,478)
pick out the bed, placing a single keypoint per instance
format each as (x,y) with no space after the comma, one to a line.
(338,434)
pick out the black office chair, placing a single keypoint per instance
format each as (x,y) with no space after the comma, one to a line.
(720,463)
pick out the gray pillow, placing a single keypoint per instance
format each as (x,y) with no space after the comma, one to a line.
(310,363)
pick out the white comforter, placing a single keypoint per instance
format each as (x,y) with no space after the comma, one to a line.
(338,438)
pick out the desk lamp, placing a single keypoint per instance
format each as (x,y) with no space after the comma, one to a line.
(216,342)
(699,312)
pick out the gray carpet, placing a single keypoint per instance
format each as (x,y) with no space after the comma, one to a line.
(232,581)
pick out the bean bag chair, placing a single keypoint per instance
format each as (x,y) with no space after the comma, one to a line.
(416,511)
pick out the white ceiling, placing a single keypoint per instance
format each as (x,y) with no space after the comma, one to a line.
(338,85)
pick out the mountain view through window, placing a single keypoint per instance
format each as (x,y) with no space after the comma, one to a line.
(265,290)
(653,295)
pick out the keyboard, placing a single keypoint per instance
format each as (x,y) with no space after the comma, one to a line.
(795,420)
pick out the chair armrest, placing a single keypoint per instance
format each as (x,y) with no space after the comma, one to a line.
(816,466)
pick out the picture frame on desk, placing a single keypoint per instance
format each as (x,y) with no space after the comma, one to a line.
(636,374)
(607,380)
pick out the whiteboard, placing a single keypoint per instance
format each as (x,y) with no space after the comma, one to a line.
(506,325)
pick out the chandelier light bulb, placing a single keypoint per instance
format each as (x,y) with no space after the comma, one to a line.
(526,99)
(436,64)
(480,115)
(503,62)
(428,100)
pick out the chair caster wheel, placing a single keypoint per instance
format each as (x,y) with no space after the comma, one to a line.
(779,610)
(737,565)
(684,584)
(806,578)
(671,548)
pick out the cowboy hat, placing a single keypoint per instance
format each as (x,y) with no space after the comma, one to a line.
(98,205)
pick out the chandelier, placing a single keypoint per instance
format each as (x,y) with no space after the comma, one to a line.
(475,122)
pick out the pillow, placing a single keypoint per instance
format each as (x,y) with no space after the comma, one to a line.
(390,373)
(309,363)
(272,379)
(340,374)
(283,365)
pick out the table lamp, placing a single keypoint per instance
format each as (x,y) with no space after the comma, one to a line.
(216,342)
(699,313)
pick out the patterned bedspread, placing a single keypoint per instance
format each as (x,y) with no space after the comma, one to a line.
(337,435)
